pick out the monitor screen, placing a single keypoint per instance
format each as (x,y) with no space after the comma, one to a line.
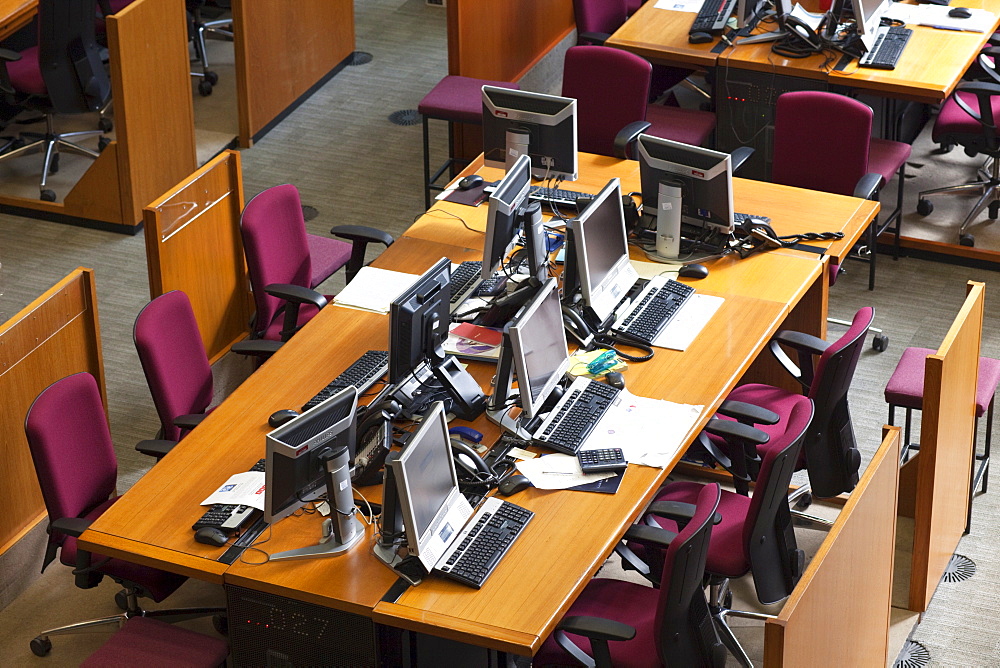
(501,220)
(539,348)
(706,179)
(418,322)
(548,121)
(296,470)
(600,245)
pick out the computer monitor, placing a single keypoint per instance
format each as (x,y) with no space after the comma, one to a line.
(538,344)
(298,450)
(418,322)
(502,218)
(600,250)
(546,123)
(868,17)
(705,177)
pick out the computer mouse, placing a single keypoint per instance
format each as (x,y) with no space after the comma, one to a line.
(615,379)
(699,37)
(211,536)
(279,418)
(959,13)
(471,181)
(513,484)
(693,270)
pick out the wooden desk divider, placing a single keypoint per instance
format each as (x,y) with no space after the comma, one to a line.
(838,615)
(193,244)
(938,491)
(54,336)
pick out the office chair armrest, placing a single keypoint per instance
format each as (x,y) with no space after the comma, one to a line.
(626,138)
(255,347)
(868,185)
(599,631)
(70,526)
(295,294)
(155,447)
(595,38)
(189,421)
(801,341)
(632,561)
(807,347)
(650,535)
(360,236)
(9,56)
(728,429)
(747,413)
(740,156)
(677,511)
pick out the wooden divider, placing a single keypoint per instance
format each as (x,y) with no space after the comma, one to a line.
(838,614)
(947,443)
(193,244)
(54,336)
(282,50)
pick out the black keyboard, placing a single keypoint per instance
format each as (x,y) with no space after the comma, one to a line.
(365,371)
(740,217)
(584,406)
(889,43)
(657,308)
(713,15)
(463,278)
(228,516)
(555,195)
(494,528)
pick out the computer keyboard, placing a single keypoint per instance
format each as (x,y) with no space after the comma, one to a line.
(489,533)
(657,306)
(740,217)
(555,195)
(713,15)
(463,280)
(889,43)
(362,374)
(576,414)
(228,516)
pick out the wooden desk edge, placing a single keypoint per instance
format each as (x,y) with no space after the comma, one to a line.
(145,554)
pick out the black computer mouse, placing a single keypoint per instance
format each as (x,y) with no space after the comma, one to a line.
(211,536)
(279,418)
(693,270)
(699,37)
(470,182)
(959,13)
(615,379)
(513,484)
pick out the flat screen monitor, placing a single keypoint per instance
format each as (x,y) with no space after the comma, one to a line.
(297,452)
(538,343)
(868,16)
(418,322)
(548,121)
(501,219)
(600,246)
(705,177)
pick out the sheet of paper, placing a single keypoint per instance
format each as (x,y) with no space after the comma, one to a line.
(374,289)
(693,6)
(689,322)
(245,489)
(557,472)
(650,270)
(649,431)
(980,20)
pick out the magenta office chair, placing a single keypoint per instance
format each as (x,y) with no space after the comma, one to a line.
(67,433)
(666,626)
(611,88)
(284,265)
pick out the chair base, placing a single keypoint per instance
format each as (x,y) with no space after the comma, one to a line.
(720,600)
(988,191)
(50,143)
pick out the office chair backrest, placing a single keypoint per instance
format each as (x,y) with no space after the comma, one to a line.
(821,141)
(970,119)
(67,432)
(276,247)
(685,633)
(611,87)
(599,16)
(173,359)
(69,57)
(767,531)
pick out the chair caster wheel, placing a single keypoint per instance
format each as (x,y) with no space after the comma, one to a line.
(41,646)
(204,88)
(212,78)
(803,501)
(121,600)
(102,143)
(221,624)
(54,165)
(47,195)
(967,240)
(994,210)
(924,207)
(880,343)
(105,125)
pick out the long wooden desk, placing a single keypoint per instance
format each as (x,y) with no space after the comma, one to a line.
(151,523)
(14,15)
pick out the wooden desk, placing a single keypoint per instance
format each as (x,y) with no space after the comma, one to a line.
(15,14)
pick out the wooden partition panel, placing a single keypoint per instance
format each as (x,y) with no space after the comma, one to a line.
(947,444)
(54,336)
(193,244)
(282,50)
(838,614)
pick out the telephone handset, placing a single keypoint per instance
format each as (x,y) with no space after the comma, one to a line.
(801,35)
(374,440)
(468,462)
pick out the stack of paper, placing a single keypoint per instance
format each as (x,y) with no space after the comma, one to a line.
(374,289)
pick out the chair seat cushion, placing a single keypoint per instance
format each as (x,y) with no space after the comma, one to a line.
(885,157)
(952,121)
(459,99)
(158,584)
(326,256)
(26,75)
(625,602)
(684,125)
(306,312)
(150,643)
(906,385)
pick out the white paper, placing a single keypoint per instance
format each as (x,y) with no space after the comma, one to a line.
(374,289)
(650,270)
(558,472)
(245,489)
(692,6)
(980,20)
(689,321)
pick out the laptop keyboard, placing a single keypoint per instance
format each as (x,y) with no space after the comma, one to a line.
(578,412)
(488,536)
(656,308)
